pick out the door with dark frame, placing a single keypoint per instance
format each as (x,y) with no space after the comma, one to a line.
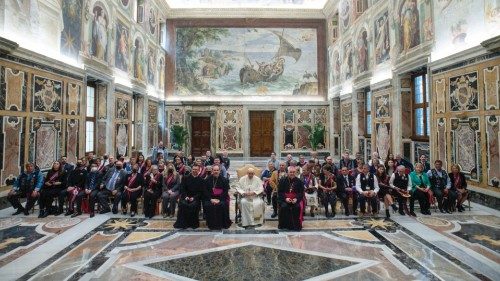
(261,133)
(200,136)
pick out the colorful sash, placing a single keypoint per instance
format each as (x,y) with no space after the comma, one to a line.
(150,185)
(53,177)
(457,182)
(168,180)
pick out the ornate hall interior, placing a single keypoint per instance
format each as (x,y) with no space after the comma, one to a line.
(99,96)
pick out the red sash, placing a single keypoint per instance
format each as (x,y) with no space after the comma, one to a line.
(131,180)
(217,191)
(150,186)
(329,184)
(169,180)
(53,177)
(458,182)
(181,170)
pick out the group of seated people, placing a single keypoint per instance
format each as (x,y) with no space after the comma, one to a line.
(203,184)
(394,179)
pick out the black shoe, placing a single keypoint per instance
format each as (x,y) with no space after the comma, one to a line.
(124,211)
(442,211)
(459,210)
(401,212)
(394,208)
(387,215)
(355,213)
(76,214)
(428,212)
(58,212)
(448,211)
(132,214)
(26,212)
(43,214)
(115,211)
(412,213)
(347,214)
(18,212)
(312,214)
(68,213)
(92,215)
(104,211)
(274,215)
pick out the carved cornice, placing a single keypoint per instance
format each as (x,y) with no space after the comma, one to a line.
(330,8)
(7,46)
(492,45)
(246,13)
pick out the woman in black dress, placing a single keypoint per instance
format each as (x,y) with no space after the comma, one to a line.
(152,191)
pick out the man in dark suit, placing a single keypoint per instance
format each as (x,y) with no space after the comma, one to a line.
(113,183)
(346,186)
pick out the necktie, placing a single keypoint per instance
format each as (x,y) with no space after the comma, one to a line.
(112,181)
(92,180)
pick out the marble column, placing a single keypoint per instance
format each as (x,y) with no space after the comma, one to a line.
(355,123)
(335,126)
(110,150)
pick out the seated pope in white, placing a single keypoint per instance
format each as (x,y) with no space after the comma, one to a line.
(252,205)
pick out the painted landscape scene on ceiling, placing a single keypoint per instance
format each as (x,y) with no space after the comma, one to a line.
(246,61)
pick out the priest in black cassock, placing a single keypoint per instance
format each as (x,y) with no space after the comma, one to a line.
(290,195)
(192,191)
(216,201)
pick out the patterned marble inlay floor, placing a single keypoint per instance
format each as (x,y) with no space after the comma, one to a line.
(115,247)
(251,263)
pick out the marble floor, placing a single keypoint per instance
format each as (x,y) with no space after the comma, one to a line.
(459,246)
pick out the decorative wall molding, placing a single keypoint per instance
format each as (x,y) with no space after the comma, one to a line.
(245,13)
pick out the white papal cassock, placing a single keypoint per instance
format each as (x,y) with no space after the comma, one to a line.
(252,207)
